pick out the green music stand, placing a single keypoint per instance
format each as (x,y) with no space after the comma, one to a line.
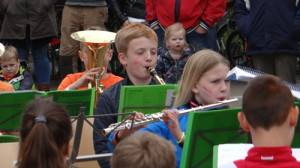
(8,138)
(13,104)
(146,99)
(296,139)
(206,129)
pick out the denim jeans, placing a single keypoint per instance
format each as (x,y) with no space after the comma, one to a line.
(40,57)
(199,41)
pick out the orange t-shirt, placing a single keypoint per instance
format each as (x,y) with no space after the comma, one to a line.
(5,87)
(71,78)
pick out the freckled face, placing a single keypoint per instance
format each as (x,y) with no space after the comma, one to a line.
(10,67)
(141,54)
(212,86)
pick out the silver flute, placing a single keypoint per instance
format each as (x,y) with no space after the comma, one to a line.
(155,117)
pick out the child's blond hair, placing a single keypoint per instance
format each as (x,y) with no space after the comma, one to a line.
(130,32)
(9,53)
(144,149)
(199,63)
(175,28)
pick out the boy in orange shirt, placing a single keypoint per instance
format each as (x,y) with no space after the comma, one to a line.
(79,81)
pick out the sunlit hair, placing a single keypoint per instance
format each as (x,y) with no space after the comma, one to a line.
(144,150)
(267,102)
(174,28)
(9,53)
(42,143)
(199,63)
(131,32)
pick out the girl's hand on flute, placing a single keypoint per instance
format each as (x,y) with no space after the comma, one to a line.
(124,133)
(171,119)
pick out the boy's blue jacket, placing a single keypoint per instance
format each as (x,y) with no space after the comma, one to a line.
(161,129)
(269,26)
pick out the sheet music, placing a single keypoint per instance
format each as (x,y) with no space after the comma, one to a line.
(230,152)
(244,74)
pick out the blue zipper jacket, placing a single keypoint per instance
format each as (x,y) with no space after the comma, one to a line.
(269,26)
(168,69)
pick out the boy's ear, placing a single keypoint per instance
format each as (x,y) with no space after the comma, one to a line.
(122,59)
(294,113)
(243,121)
(110,54)
(80,55)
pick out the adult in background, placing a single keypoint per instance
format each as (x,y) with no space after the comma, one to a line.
(78,15)
(30,26)
(272,30)
(197,17)
(128,11)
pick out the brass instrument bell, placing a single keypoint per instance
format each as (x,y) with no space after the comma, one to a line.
(97,42)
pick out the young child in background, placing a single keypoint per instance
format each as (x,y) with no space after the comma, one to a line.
(137,48)
(173,57)
(203,82)
(5,87)
(270,115)
(79,81)
(14,72)
(45,135)
(144,150)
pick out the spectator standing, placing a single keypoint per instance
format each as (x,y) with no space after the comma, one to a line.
(197,17)
(272,30)
(173,57)
(78,15)
(128,11)
(30,26)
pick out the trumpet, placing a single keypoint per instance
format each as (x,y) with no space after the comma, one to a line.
(155,117)
(154,74)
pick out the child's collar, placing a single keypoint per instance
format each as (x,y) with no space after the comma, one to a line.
(8,78)
(194,103)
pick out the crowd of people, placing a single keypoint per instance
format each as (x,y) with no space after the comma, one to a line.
(175,37)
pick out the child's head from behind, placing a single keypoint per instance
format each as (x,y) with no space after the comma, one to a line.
(175,37)
(45,133)
(137,48)
(9,61)
(267,102)
(144,149)
(204,79)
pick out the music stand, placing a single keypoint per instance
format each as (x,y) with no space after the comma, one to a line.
(147,99)
(206,129)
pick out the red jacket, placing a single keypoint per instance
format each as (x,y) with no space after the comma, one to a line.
(188,12)
(266,157)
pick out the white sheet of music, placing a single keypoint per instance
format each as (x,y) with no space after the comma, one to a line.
(239,73)
(230,152)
